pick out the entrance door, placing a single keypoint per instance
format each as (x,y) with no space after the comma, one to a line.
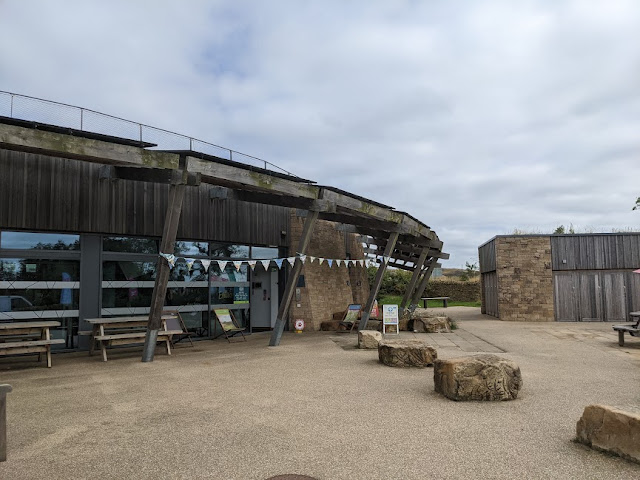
(615,297)
(264,299)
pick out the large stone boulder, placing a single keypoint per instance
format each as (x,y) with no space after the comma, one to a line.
(406,353)
(432,325)
(369,339)
(478,377)
(611,430)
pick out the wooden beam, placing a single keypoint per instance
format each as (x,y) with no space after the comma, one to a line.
(292,281)
(375,288)
(167,245)
(78,148)
(143,174)
(422,285)
(414,280)
(224,193)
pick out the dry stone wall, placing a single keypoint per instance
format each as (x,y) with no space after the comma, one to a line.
(327,290)
(525,279)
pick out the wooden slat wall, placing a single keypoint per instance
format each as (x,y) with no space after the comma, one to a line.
(487,256)
(490,286)
(595,252)
(45,193)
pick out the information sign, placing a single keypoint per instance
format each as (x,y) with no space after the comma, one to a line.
(390,317)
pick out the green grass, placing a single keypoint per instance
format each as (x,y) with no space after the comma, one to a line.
(391,299)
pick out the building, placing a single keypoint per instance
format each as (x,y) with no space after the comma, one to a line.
(84,212)
(567,278)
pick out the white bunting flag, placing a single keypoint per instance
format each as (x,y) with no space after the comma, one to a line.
(291,260)
(170,258)
(190,262)
(339,262)
(303,258)
(222,264)
(265,264)
(320,260)
(311,259)
(252,264)
(205,264)
(237,264)
(386,259)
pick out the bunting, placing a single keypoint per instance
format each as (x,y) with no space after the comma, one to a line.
(265,264)
(237,264)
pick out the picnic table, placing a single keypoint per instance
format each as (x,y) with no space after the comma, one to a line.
(113,331)
(632,329)
(445,301)
(28,337)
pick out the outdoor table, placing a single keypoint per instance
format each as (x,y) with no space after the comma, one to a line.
(18,337)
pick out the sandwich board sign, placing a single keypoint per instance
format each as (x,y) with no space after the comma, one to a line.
(390,317)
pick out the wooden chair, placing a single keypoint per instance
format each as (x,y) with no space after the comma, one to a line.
(351,317)
(228,324)
(174,321)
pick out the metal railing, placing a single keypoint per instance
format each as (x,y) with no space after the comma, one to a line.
(32,109)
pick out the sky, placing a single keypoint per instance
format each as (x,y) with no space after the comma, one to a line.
(478,118)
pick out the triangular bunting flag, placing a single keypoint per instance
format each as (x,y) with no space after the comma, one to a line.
(339,262)
(205,264)
(330,262)
(190,262)
(222,264)
(303,258)
(311,259)
(170,258)
(279,262)
(386,259)
(252,264)
(320,259)
(265,264)
(237,264)
(361,262)
(291,260)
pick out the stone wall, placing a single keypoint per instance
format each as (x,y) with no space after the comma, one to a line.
(327,290)
(525,279)
(457,290)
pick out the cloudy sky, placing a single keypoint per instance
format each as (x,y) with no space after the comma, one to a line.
(478,118)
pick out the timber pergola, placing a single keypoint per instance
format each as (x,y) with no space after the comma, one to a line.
(395,238)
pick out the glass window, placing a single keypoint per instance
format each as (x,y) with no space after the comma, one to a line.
(223,250)
(130,245)
(126,297)
(230,273)
(182,273)
(264,252)
(191,249)
(116,270)
(39,241)
(37,270)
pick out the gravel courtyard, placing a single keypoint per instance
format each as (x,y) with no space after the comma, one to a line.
(320,407)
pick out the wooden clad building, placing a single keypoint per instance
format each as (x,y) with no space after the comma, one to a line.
(566,277)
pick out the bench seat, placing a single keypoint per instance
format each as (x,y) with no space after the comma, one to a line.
(631,329)
(31,343)
(116,336)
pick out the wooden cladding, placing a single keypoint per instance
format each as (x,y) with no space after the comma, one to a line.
(595,252)
(39,192)
(487,254)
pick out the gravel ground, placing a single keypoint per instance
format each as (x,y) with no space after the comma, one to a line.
(317,407)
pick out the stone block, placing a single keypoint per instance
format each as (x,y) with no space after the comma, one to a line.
(610,430)
(432,324)
(478,377)
(369,339)
(406,353)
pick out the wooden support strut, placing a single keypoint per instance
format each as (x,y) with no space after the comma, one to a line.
(423,284)
(167,245)
(375,288)
(292,281)
(414,280)
(4,389)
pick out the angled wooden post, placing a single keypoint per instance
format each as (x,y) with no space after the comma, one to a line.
(375,288)
(423,284)
(167,245)
(4,389)
(414,280)
(292,281)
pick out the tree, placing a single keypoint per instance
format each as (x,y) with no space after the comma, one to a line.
(470,271)
(637,205)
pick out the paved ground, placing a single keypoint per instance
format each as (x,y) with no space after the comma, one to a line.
(247,411)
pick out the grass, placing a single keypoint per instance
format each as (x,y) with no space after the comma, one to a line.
(391,299)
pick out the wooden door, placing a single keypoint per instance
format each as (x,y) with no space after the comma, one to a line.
(566,287)
(590,301)
(490,286)
(614,296)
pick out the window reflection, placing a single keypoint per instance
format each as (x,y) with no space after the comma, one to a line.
(230,273)
(39,241)
(192,249)
(26,269)
(264,252)
(115,270)
(130,244)
(222,250)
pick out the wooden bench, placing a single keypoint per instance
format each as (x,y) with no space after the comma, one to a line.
(445,301)
(632,329)
(28,337)
(108,332)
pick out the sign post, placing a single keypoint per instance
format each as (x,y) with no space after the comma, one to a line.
(390,317)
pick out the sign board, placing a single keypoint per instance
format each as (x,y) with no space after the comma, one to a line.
(351,316)
(375,313)
(390,317)
(299,325)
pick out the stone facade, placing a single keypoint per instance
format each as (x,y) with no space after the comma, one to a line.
(525,279)
(327,290)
